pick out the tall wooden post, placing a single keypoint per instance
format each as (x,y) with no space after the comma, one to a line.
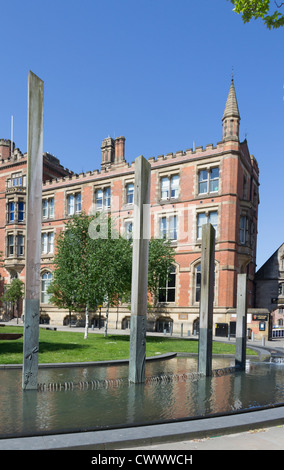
(33,232)
(141,233)
(206,300)
(241,326)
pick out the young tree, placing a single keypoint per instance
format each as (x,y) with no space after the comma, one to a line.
(254,9)
(93,265)
(73,285)
(112,261)
(14,292)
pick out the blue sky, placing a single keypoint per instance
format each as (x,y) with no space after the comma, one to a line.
(157,72)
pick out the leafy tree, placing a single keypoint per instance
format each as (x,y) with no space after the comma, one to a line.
(93,265)
(14,292)
(254,9)
(112,259)
(73,284)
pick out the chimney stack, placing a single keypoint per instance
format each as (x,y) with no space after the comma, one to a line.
(5,148)
(119,145)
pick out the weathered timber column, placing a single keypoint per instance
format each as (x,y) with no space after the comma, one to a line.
(206,300)
(241,326)
(33,232)
(141,233)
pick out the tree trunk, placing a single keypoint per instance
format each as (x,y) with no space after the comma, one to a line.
(106,323)
(87,321)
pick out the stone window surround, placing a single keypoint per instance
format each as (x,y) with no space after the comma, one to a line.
(157,221)
(208,167)
(74,192)
(101,185)
(14,175)
(15,199)
(15,234)
(192,282)
(48,197)
(48,253)
(167,173)
(127,220)
(176,301)
(206,210)
(43,292)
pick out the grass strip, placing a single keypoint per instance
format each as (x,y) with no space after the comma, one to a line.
(64,346)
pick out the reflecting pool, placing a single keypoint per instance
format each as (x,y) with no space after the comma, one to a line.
(173,391)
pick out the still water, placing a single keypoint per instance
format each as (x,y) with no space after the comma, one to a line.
(122,404)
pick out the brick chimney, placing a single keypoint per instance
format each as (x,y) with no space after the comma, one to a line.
(119,146)
(5,148)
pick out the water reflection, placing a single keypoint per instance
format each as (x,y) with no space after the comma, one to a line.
(32,412)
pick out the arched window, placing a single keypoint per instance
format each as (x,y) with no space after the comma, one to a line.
(167,293)
(46,279)
(197,283)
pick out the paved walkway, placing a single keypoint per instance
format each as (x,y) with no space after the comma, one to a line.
(257,439)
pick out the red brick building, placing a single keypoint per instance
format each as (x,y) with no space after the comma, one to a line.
(218,183)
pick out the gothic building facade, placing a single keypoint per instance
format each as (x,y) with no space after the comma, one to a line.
(216,183)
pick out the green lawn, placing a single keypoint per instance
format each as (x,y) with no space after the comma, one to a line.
(61,346)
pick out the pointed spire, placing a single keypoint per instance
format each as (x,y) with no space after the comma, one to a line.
(231,108)
(231,117)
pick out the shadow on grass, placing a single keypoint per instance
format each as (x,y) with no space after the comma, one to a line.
(12,347)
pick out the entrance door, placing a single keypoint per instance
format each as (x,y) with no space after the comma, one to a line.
(221,329)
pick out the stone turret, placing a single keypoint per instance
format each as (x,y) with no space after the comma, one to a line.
(231,117)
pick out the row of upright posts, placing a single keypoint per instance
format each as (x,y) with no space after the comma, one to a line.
(206,307)
(141,234)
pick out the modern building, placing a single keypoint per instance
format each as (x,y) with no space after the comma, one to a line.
(216,183)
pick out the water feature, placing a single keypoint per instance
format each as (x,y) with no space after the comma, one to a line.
(102,397)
